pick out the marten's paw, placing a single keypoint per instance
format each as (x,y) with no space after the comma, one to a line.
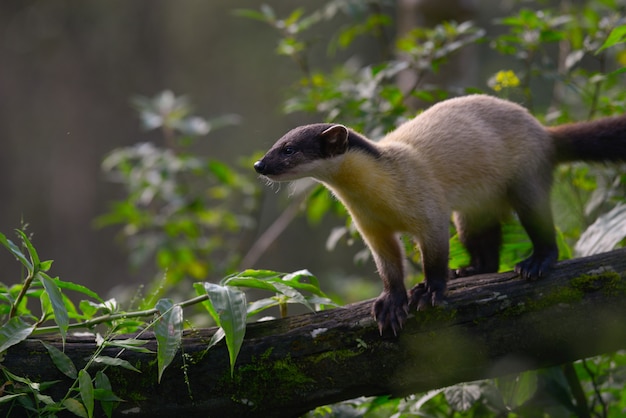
(464,272)
(537,265)
(423,296)
(391,310)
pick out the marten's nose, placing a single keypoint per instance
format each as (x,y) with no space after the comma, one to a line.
(259,166)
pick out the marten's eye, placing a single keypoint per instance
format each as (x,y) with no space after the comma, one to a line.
(288,150)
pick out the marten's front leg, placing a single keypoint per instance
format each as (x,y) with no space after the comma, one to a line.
(390,308)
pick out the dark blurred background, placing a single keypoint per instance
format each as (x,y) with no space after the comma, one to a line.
(67,72)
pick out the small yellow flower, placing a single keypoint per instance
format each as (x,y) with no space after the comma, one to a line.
(503,79)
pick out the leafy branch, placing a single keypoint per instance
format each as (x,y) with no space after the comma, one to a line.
(225,302)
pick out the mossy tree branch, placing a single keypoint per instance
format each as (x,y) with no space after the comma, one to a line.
(493,325)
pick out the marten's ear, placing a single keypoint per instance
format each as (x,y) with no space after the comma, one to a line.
(334,140)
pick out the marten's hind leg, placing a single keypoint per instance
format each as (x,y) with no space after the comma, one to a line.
(530,198)
(482,237)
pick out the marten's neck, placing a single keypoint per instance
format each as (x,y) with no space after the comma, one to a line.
(357,142)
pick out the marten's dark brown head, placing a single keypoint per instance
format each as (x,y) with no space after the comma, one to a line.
(310,151)
(302,151)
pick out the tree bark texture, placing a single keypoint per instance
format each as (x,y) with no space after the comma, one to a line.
(492,325)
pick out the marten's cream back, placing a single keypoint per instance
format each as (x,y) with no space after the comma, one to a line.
(475,146)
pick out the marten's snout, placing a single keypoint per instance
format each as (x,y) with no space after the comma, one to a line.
(259,166)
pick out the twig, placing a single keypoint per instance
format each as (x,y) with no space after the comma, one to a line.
(112,317)
(272,232)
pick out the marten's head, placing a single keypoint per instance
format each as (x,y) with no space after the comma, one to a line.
(304,152)
(311,151)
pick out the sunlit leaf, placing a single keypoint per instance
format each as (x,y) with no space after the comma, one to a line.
(293,294)
(113,361)
(604,234)
(61,361)
(462,397)
(251,283)
(617,36)
(216,338)
(169,331)
(517,389)
(296,280)
(13,332)
(229,305)
(130,344)
(75,407)
(261,305)
(259,274)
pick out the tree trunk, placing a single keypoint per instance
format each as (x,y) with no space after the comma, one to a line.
(492,325)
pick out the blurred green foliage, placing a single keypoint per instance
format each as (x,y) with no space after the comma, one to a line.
(185,213)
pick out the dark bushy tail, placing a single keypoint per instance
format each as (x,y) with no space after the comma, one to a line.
(600,140)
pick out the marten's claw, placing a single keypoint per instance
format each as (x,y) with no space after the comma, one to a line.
(391,311)
(423,297)
(537,265)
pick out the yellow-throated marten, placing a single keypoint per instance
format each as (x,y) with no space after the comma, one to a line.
(476,157)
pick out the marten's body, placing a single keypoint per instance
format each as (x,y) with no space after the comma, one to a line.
(476,156)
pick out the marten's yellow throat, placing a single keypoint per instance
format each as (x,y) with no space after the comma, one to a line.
(475,158)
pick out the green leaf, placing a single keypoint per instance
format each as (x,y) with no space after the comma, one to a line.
(77,288)
(201,291)
(104,393)
(58,306)
(229,304)
(293,295)
(272,281)
(319,203)
(517,389)
(251,283)
(85,387)
(222,172)
(61,361)
(45,265)
(34,257)
(7,398)
(114,361)
(295,280)
(216,338)
(15,250)
(169,333)
(47,400)
(106,396)
(75,407)
(617,36)
(14,331)
(262,304)
(130,344)
(258,274)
